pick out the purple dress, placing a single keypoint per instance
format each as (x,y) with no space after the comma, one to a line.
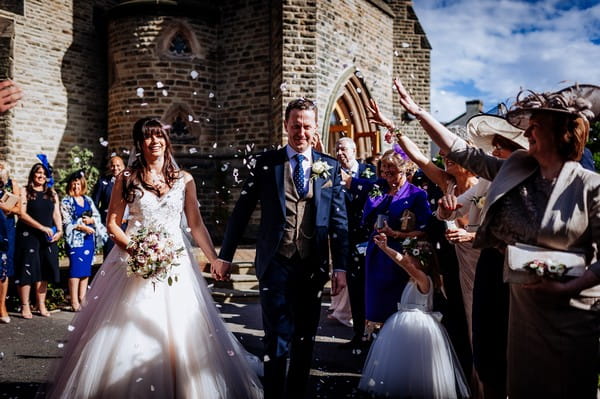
(384,280)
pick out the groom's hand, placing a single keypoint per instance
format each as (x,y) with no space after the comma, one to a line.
(338,282)
(220,270)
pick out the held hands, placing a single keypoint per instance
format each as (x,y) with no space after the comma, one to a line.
(220,270)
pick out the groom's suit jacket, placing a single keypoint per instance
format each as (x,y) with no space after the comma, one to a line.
(266,186)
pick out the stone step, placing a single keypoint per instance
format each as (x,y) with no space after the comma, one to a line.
(240,282)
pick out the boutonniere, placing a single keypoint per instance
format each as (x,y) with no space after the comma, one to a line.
(479,201)
(367,173)
(375,191)
(320,169)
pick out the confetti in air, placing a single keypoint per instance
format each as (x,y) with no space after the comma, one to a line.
(140,92)
(194,74)
(159,85)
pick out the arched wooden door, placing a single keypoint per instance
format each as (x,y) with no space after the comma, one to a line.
(348,117)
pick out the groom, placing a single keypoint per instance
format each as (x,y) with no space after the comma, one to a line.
(302,209)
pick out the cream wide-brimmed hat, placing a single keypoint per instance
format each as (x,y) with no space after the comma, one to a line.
(482,128)
(574,101)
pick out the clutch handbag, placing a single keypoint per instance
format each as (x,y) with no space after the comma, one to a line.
(9,200)
(519,255)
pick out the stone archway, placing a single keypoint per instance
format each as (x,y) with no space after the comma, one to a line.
(346,115)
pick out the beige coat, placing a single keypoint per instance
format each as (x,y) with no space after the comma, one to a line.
(552,347)
(571,221)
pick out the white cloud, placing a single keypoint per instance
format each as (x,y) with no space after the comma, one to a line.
(496,47)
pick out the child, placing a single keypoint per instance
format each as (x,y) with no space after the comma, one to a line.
(412,356)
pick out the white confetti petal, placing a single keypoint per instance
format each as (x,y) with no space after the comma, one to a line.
(194,74)
(159,85)
(165,93)
(140,92)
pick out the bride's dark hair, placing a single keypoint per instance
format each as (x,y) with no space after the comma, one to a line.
(133,176)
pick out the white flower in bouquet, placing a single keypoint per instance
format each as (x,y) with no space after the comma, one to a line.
(153,255)
(548,267)
(320,169)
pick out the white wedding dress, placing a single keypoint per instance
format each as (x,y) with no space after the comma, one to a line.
(136,340)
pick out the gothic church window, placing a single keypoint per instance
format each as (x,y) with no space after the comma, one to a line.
(179,45)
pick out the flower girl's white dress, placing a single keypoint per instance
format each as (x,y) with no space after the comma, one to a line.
(412,356)
(136,340)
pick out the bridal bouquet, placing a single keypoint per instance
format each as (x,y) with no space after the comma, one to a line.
(152,255)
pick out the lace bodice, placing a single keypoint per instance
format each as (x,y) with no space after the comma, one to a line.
(165,211)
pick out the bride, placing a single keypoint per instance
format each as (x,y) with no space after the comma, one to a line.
(139,338)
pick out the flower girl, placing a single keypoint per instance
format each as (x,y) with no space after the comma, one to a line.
(412,356)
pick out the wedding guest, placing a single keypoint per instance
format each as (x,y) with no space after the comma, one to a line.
(412,356)
(403,211)
(541,197)
(84,231)
(10,94)
(102,192)
(146,333)
(358,234)
(302,212)
(486,294)
(459,259)
(38,229)
(10,210)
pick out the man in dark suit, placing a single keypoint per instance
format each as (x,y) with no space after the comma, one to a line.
(302,209)
(102,192)
(345,151)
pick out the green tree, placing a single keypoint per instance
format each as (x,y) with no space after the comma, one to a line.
(594,143)
(79,159)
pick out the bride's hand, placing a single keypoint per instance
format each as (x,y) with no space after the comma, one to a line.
(405,99)
(220,270)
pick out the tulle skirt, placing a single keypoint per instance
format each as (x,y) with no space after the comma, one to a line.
(134,339)
(412,357)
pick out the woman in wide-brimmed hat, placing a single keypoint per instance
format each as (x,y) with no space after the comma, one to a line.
(542,197)
(484,293)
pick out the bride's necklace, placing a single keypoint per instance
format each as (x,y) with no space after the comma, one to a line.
(157,180)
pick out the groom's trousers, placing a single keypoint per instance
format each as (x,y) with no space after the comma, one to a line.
(290,294)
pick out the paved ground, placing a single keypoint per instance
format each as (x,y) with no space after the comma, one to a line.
(29,347)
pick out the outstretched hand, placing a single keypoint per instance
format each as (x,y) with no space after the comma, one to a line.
(10,94)
(378,118)
(405,99)
(380,240)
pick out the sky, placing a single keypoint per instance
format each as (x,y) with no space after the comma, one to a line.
(491,49)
